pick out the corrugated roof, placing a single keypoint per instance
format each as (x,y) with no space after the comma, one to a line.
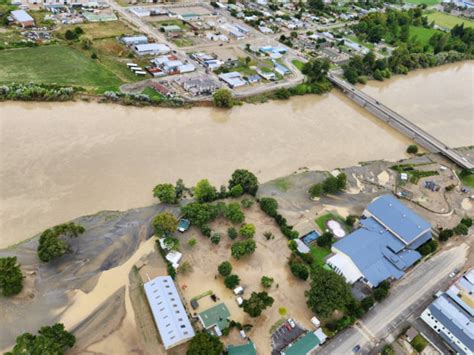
(246,349)
(168,311)
(394,215)
(304,345)
(21,16)
(217,315)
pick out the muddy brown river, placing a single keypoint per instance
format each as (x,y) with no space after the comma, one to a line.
(62,160)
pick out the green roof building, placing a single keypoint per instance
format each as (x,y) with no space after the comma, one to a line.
(303,345)
(216,318)
(247,349)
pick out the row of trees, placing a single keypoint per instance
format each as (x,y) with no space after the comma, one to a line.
(461,229)
(36,92)
(241,182)
(330,185)
(270,206)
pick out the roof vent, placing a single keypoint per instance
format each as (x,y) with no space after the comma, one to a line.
(390,204)
(404,215)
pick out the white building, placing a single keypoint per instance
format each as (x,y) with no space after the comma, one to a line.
(168,311)
(233,79)
(151,49)
(451,315)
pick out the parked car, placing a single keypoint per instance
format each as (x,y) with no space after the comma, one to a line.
(356,348)
(292,323)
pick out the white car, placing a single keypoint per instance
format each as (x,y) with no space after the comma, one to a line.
(292,323)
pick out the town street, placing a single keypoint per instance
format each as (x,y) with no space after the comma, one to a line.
(406,299)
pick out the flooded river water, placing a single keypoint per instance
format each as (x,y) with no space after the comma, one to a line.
(62,160)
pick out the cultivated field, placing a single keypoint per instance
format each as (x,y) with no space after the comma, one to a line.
(448,21)
(54,65)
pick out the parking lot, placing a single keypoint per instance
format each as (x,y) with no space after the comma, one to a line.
(285,335)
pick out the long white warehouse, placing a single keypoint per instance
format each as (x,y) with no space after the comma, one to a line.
(168,311)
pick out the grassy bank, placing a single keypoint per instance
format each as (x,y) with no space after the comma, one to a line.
(55,64)
(448,21)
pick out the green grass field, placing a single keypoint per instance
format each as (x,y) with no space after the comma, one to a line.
(419,2)
(448,21)
(422,34)
(468,181)
(55,65)
(322,220)
(298,64)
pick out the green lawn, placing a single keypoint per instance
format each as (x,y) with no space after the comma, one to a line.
(55,65)
(319,254)
(422,34)
(468,181)
(98,30)
(448,21)
(322,220)
(152,93)
(298,64)
(419,2)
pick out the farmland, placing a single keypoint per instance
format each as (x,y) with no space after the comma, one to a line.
(55,65)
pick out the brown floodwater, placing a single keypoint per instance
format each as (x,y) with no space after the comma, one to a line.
(59,161)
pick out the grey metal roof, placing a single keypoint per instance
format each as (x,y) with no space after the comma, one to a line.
(168,311)
(21,16)
(454,318)
(398,218)
(377,253)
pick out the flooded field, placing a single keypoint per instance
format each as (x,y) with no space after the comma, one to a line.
(62,160)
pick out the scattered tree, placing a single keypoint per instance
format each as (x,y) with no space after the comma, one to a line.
(247,230)
(467,221)
(445,234)
(247,180)
(204,343)
(269,205)
(166,193)
(70,35)
(257,303)
(231,281)
(51,246)
(316,190)
(234,214)
(242,248)
(236,191)
(50,340)
(247,203)
(185,267)
(328,292)
(223,98)
(215,238)
(461,229)
(412,149)
(350,220)
(204,191)
(267,281)
(232,233)
(225,268)
(367,303)
(11,277)
(165,224)
(325,240)
(300,270)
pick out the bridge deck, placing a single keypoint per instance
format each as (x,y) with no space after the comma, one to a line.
(399,122)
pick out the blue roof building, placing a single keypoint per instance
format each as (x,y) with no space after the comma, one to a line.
(451,315)
(383,248)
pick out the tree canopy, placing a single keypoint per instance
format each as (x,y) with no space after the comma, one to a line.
(51,246)
(328,292)
(50,340)
(204,343)
(234,213)
(231,281)
(223,98)
(166,193)
(204,191)
(11,277)
(247,230)
(225,268)
(242,248)
(247,180)
(269,205)
(165,224)
(257,303)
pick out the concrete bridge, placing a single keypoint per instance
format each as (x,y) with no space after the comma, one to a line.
(400,123)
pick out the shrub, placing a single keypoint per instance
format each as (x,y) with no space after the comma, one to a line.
(192,242)
(247,203)
(299,270)
(247,231)
(412,149)
(467,221)
(461,229)
(216,238)
(325,240)
(206,230)
(367,303)
(380,294)
(232,233)
(445,234)
(231,281)
(70,35)
(204,191)
(243,248)
(269,205)
(350,220)
(236,191)
(225,268)
(316,190)
(266,281)
(234,214)
(268,235)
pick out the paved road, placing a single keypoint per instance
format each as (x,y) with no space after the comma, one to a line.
(406,299)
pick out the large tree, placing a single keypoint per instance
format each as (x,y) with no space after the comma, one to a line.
(204,191)
(198,213)
(257,303)
(51,245)
(50,340)
(165,224)
(223,98)
(11,277)
(225,268)
(204,343)
(328,292)
(234,213)
(166,193)
(247,180)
